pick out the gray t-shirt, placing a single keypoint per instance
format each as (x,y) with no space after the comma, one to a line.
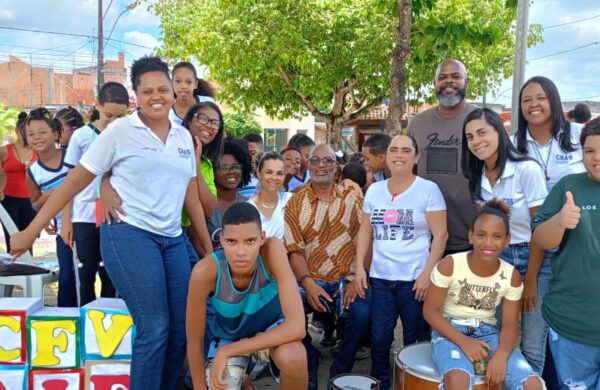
(439,140)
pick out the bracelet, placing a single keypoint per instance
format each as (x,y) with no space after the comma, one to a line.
(301,278)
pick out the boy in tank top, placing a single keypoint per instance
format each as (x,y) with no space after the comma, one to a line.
(257,306)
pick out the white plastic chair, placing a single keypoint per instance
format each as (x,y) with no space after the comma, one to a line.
(32,285)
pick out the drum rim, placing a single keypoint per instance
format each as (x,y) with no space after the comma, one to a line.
(420,375)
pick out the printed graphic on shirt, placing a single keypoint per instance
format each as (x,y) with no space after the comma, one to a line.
(478,297)
(389,224)
(442,154)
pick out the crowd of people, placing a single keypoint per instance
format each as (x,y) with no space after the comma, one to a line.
(476,239)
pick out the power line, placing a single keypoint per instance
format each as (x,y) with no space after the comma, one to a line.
(564,51)
(573,22)
(72,35)
(581,98)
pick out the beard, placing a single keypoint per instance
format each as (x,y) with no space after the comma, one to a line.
(451,100)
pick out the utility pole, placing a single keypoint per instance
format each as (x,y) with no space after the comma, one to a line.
(100,48)
(520,57)
(30,82)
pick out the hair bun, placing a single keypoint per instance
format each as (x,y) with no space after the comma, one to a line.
(22,116)
(497,204)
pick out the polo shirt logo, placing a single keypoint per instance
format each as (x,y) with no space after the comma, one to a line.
(509,201)
(589,207)
(563,157)
(184,153)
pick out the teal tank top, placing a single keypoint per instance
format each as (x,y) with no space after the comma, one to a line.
(242,314)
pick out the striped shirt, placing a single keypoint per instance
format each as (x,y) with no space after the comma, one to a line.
(324,232)
(242,314)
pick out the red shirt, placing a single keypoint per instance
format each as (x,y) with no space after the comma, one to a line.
(16,186)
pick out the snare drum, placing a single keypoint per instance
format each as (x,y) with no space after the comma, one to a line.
(415,370)
(354,382)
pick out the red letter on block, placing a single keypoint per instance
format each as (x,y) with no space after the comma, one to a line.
(55,384)
(107,382)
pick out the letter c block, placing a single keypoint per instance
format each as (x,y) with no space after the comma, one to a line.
(13,329)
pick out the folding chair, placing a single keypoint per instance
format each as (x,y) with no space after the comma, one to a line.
(32,285)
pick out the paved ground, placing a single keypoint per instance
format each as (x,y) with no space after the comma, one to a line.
(44,249)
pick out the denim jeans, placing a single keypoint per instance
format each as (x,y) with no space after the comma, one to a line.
(534,330)
(356,326)
(67,288)
(388,300)
(447,356)
(578,365)
(151,272)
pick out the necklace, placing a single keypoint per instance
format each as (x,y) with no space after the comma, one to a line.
(265,205)
(541,159)
(27,163)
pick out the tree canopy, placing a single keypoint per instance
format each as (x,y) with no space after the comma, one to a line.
(332,58)
(239,124)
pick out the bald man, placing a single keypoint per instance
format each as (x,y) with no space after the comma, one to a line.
(321,224)
(438,132)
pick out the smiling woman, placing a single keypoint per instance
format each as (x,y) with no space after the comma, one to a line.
(145,254)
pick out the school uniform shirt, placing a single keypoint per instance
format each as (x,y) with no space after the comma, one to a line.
(295,181)
(274,226)
(47,178)
(379,176)
(522,186)
(401,234)
(173,117)
(84,203)
(150,176)
(571,305)
(473,296)
(556,162)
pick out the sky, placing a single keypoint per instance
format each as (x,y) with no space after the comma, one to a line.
(574,72)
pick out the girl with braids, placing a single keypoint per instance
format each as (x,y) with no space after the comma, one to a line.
(42,132)
(466,290)
(16,157)
(71,120)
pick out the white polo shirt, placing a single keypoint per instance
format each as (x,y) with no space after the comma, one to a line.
(557,162)
(522,186)
(150,176)
(84,203)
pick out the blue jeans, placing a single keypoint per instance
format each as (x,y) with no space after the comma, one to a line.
(534,330)
(191,251)
(67,289)
(578,365)
(447,356)
(388,300)
(356,326)
(152,273)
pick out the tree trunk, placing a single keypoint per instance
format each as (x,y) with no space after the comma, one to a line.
(400,55)
(334,134)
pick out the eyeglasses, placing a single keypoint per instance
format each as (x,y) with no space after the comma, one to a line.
(205,120)
(316,161)
(230,168)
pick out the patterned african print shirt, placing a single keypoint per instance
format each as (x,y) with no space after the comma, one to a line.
(324,232)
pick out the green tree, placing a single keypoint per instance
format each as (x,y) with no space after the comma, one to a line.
(240,124)
(332,58)
(8,121)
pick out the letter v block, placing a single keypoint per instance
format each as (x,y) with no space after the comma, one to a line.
(107,375)
(108,330)
(13,377)
(53,334)
(56,379)
(13,329)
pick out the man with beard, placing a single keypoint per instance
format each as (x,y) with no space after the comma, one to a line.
(438,132)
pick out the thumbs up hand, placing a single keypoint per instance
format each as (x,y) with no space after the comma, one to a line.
(570,213)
